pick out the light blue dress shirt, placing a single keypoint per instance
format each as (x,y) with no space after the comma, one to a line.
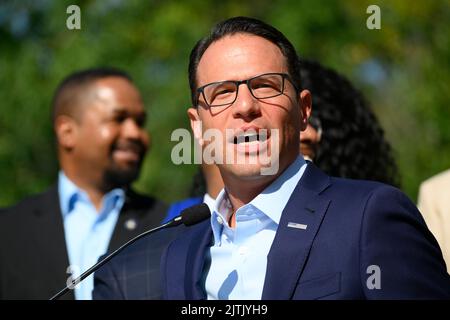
(238,259)
(87,232)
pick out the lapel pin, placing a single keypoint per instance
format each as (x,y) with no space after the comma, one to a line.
(297,225)
(130,224)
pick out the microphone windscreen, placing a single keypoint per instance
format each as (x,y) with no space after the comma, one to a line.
(195,214)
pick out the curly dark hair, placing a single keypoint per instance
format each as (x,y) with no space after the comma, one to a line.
(353,143)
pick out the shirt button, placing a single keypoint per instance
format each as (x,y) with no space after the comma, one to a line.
(219,220)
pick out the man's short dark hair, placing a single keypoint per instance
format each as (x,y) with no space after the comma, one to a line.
(243,25)
(72,87)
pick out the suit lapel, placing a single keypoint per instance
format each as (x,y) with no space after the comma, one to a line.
(50,242)
(127,224)
(131,219)
(195,262)
(183,263)
(293,240)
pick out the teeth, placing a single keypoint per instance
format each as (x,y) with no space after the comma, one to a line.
(250,137)
(262,137)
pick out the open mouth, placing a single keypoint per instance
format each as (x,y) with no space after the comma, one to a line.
(253,141)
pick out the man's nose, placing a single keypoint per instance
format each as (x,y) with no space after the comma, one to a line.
(246,105)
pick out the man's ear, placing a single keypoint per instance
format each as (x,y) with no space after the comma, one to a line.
(66,131)
(305,101)
(196,125)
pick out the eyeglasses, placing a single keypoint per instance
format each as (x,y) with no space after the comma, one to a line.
(224,93)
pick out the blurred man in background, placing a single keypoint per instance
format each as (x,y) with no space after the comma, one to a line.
(98,118)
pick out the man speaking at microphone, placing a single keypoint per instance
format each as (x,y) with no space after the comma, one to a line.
(288,233)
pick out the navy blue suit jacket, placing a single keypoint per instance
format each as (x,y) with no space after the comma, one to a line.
(359,234)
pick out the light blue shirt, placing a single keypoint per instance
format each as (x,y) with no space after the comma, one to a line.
(209,201)
(87,232)
(238,259)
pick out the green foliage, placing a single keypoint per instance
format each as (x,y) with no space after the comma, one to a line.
(402,69)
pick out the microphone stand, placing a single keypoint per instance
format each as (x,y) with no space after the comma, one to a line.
(175,222)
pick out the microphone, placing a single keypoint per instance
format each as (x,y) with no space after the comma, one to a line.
(188,217)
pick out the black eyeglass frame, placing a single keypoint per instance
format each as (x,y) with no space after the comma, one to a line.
(237,83)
